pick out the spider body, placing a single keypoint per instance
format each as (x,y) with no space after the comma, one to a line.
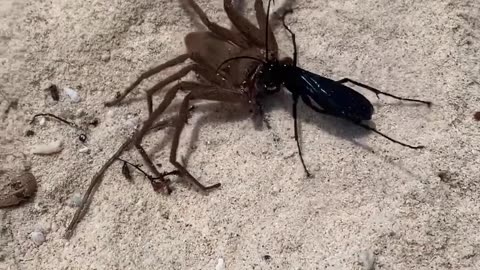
(235,83)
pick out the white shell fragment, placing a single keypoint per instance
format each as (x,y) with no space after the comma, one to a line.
(72,94)
(220,265)
(47,149)
(133,123)
(76,200)
(37,237)
(42,121)
(84,150)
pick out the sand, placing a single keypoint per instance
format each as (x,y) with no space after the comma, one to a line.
(371,203)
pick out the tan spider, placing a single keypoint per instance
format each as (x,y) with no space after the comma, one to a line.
(234,84)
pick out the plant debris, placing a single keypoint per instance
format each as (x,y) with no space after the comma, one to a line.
(53,89)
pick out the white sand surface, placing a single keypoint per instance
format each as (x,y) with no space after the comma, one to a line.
(368,197)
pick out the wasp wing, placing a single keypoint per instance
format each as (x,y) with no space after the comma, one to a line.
(335,98)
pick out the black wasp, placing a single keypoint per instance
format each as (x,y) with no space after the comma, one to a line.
(323,95)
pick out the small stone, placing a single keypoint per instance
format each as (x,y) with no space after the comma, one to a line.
(43,226)
(220,264)
(27,165)
(39,207)
(133,123)
(53,89)
(105,57)
(37,237)
(80,113)
(42,121)
(110,114)
(47,149)
(84,150)
(76,200)
(72,94)
(94,122)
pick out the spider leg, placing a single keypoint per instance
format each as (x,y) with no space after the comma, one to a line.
(147,74)
(136,139)
(204,92)
(292,35)
(167,122)
(163,183)
(249,30)
(262,23)
(223,32)
(204,72)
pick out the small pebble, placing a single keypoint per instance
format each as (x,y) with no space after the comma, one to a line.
(39,207)
(27,165)
(37,237)
(80,113)
(82,137)
(42,226)
(72,94)
(220,265)
(105,57)
(47,149)
(94,122)
(85,150)
(110,114)
(133,123)
(42,121)
(76,200)
(53,92)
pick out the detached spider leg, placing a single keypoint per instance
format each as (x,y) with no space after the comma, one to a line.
(378,92)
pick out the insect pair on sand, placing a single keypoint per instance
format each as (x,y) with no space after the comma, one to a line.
(254,71)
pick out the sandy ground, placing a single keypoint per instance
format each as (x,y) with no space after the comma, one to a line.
(368,197)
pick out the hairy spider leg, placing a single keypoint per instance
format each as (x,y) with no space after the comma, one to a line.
(199,92)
